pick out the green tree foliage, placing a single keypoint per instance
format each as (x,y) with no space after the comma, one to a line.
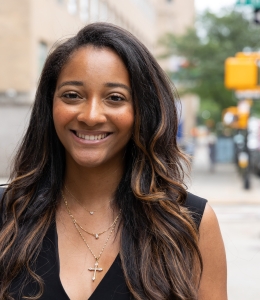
(206,47)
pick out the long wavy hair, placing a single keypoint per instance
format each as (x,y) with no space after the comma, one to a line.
(159,239)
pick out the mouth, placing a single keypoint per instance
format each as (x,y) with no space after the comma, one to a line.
(91,137)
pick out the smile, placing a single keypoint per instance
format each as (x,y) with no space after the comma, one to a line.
(91,137)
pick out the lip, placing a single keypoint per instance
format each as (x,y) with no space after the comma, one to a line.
(86,132)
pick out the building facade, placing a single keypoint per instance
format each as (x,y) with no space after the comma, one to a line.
(29,28)
(175,15)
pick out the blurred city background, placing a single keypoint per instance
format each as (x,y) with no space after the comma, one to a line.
(211,51)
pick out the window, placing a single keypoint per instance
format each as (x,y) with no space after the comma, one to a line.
(72,7)
(42,54)
(94,10)
(147,8)
(84,10)
(103,11)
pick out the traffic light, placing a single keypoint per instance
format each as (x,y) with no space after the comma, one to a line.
(257,15)
(242,72)
(255,4)
(237,116)
(230,117)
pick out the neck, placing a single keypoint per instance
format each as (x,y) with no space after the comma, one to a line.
(93,187)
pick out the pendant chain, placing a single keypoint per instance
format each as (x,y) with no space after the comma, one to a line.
(77,228)
(96,235)
(91,212)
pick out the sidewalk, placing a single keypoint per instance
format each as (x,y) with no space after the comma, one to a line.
(224,185)
(238,212)
(240,228)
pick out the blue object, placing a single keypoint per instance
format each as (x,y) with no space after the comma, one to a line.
(224,150)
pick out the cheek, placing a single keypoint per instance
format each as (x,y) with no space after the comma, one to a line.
(56,114)
(126,122)
(61,116)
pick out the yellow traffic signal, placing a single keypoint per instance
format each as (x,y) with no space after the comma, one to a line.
(230,116)
(237,116)
(241,72)
(243,109)
(255,55)
(242,121)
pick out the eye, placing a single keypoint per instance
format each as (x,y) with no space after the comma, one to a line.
(116,98)
(71,96)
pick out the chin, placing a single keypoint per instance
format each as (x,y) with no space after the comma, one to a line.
(93,160)
(89,163)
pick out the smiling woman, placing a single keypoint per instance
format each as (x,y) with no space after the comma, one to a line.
(97,207)
(94,115)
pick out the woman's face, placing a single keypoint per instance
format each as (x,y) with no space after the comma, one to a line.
(93,108)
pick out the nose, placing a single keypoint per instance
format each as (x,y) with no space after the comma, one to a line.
(92,112)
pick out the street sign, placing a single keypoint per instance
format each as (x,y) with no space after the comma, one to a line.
(248,94)
(254,3)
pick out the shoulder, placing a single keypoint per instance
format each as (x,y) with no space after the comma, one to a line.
(196,205)
(209,228)
(214,276)
(213,283)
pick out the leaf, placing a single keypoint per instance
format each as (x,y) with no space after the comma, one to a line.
(205,48)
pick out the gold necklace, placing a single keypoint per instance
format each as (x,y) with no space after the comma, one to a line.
(95,235)
(96,268)
(91,212)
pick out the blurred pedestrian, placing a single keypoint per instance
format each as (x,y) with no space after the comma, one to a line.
(212,150)
(96,207)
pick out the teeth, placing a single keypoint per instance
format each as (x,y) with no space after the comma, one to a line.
(91,137)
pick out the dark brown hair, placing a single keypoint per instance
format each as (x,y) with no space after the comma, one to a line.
(159,242)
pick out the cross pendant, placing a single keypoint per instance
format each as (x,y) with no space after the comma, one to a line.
(95,269)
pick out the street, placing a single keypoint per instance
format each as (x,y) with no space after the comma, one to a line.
(238,212)
(240,227)
(224,185)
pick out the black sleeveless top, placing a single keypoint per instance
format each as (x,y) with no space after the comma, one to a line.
(111,287)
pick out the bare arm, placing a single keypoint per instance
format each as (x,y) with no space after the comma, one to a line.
(213,284)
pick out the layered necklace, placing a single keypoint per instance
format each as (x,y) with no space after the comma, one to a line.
(91,212)
(96,235)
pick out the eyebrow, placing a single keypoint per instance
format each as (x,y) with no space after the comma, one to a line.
(107,84)
(77,83)
(117,84)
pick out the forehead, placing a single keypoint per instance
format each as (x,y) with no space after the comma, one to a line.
(94,59)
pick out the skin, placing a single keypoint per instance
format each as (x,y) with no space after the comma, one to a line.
(213,283)
(93,97)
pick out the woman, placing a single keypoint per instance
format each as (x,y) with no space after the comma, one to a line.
(97,207)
